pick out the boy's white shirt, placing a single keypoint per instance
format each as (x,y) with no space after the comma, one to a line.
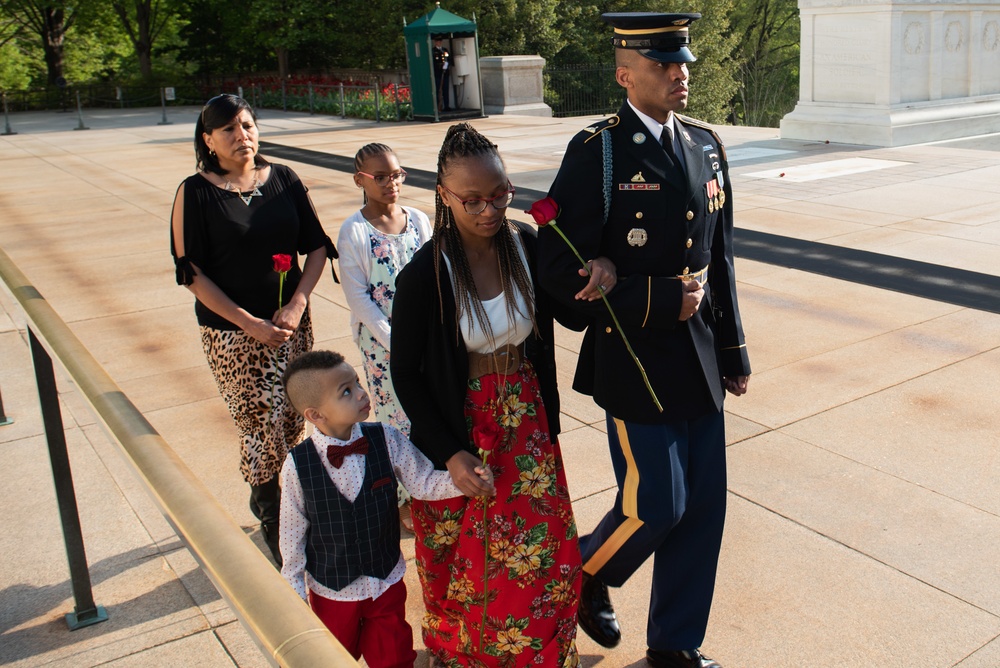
(412,468)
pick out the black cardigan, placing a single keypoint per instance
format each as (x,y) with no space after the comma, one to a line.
(429,361)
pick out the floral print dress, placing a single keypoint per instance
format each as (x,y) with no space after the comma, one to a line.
(389,254)
(529,575)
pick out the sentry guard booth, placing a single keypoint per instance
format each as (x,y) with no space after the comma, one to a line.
(465,89)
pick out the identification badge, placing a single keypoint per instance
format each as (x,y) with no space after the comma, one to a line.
(638,186)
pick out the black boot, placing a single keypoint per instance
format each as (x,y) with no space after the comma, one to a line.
(270,532)
(265,504)
(596,615)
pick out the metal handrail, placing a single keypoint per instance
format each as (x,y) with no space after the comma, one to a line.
(282,625)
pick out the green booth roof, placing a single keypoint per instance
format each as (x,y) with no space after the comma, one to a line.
(440,21)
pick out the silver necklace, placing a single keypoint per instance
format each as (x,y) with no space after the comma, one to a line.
(255,191)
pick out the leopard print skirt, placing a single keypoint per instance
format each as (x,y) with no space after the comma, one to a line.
(248,374)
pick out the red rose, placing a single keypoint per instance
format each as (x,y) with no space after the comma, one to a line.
(282,262)
(544,211)
(487,436)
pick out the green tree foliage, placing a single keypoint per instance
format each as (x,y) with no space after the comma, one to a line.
(98,49)
(15,63)
(284,27)
(46,21)
(216,39)
(768,58)
(15,66)
(368,35)
(713,77)
(146,22)
(92,46)
(515,26)
(746,69)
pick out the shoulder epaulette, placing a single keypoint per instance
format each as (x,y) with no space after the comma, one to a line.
(687,120)
(601,126)
(694,121)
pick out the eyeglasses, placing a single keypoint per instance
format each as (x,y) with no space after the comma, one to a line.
(382,180)
(474,207)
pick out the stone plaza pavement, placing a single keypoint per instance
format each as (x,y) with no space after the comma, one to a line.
(864,464)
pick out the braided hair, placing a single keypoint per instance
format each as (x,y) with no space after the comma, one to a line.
(464,141)
(369,151)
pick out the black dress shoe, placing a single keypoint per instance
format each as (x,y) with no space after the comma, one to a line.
(596,616)
(686,658)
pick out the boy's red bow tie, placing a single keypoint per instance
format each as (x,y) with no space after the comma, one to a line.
(336,453)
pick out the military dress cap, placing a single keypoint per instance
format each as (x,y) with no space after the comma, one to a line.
(660,37)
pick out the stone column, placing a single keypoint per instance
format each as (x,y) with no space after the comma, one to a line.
(894,72)
(513,85)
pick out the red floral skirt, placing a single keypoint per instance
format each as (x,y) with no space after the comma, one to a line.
(531,573)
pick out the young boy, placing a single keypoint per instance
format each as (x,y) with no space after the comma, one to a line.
(339,523)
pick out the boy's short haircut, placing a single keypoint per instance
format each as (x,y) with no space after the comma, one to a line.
(316,360)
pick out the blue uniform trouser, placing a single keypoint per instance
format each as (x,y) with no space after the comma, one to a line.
(671,504)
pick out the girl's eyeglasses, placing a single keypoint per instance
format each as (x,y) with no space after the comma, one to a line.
(474,207)
(382,180)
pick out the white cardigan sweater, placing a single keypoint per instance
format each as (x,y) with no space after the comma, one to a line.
(354,245)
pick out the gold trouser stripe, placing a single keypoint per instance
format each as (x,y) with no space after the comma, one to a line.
(649,31)
(649,298)
(612,545)
(630,507)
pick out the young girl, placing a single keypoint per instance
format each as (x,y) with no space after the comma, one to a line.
(474,364)
(375,242)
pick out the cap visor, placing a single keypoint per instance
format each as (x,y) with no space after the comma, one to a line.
(681,55)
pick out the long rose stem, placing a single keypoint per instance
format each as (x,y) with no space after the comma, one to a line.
(486,560)
(618,325)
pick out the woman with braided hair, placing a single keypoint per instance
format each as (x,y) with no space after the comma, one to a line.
(474,368)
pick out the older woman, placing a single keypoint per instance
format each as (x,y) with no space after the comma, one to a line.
(230,220)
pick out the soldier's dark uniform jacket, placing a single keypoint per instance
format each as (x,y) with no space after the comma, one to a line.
(657,225)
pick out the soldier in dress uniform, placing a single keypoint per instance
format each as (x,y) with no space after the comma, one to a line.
(650,189)
(442,73)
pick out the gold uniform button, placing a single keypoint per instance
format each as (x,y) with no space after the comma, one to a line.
(607,330)
(690,215)
(688,243)
(687,270)
(638,214)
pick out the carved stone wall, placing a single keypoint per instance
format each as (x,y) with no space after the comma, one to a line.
(887,73)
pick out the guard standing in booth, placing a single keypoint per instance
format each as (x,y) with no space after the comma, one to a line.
(442,74)
(650,189)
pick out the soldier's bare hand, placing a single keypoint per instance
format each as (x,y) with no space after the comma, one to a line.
(737,385)
(603,276)
(693,293)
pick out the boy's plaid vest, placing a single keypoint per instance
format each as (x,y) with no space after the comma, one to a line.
(347,540)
